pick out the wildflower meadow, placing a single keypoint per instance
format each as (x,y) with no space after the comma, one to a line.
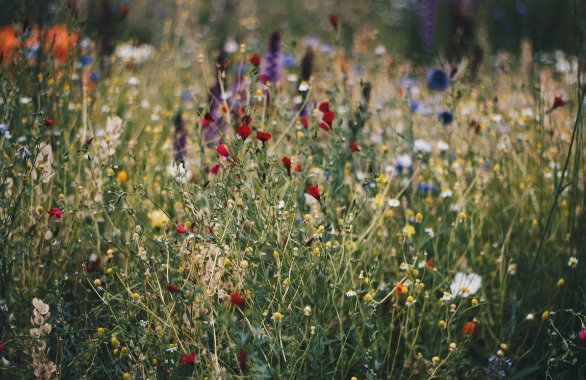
(227,193)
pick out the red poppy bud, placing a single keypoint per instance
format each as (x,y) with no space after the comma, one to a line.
(242,357)
(333,21)
(88,142)
(255,60)
(222,150)
(298,168)
(558,102)
(215,169)
(314,192)
(124,11)
(173,288)
(263,78)
(188,358)
(243,131)
(55,211)
(181,229)
(236,299)
(263,136)
(354,147)
(49,122)
(304,121)
(286,163)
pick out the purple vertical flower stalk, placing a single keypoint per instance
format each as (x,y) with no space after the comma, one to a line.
(179,137)
(273,60)
(238,88)
(211,132)
(427,18)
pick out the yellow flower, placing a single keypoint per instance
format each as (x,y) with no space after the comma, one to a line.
(135,296)
(100,330)
(474,302)
(158,218)
(367,297)
(442,324)
(315,251)
(124,349)
(97,282)
(115,342)
(419,217)
(561,282)
(126,376)
(277,317)
(408,230)
(435,359)
(239,202)
(545,315)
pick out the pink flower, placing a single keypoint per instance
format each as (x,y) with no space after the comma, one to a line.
(181,229)
(582,334)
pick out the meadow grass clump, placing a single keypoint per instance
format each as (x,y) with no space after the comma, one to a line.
(302,215)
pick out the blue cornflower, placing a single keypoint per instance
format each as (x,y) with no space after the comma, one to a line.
(4,132)
(446,117)
(95,76)
(414,105)
(497,367)
(426,187)
(437,79)
(85,59)
(289,60)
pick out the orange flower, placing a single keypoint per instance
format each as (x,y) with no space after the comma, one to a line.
(8,42)
(59,40)
(468,328)
(400,289)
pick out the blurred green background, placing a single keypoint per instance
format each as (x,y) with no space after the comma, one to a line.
(397,24)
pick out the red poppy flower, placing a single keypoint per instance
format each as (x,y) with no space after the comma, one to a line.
(314,192)
(188,358)
(243,131)
(468,328)
(263,136)
(323,125)
(263,78)
(354,147)
(215,169)
(236,299)
(328,117)
(2,346)
(255,60)
(324,107)
(581,334)
(123,11)
(430,263)
(55,211)
(304,121)
(173,288)
(286,163)
(181,229)
(297,168)
(242,357)
(222,150)
(49,122)
(207,119)
(333,21)
(558,102)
